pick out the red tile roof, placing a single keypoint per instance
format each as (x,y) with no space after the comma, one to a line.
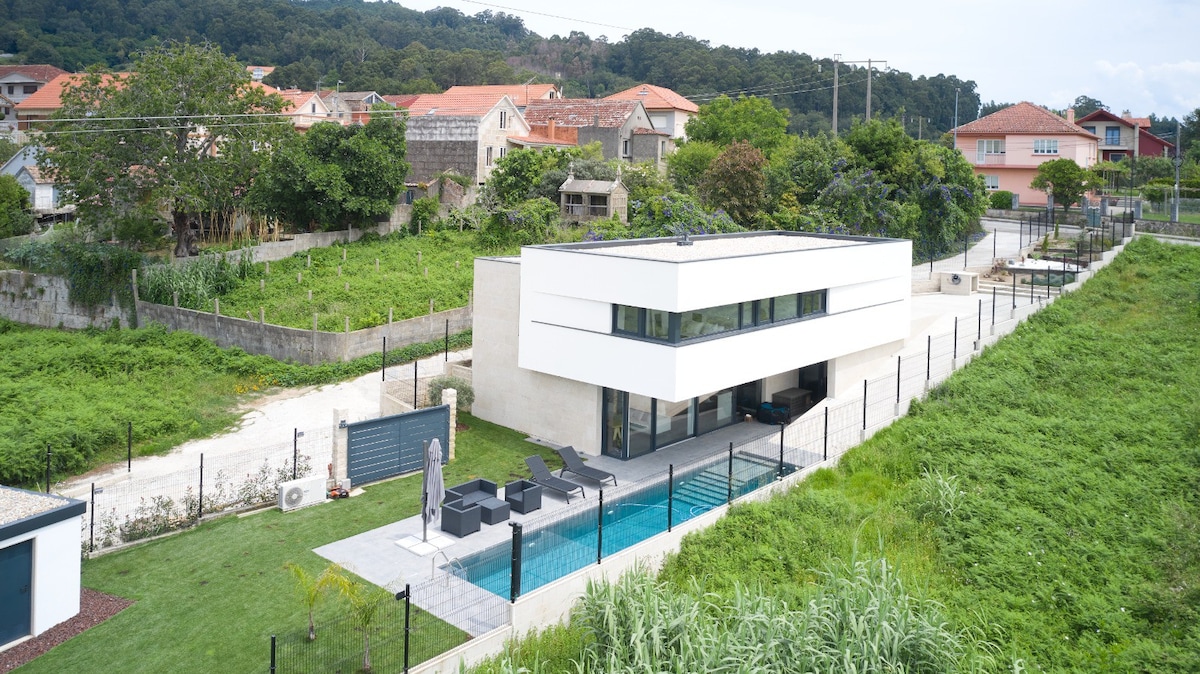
(520,94)
(35,73)
(655,98)
(580,112)
(49,97)
(401,100)
(1022,118)
(461,105)
(538,139)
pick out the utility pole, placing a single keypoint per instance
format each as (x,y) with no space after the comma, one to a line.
(835,93)
(1178,161)
(956,118)
(869,78)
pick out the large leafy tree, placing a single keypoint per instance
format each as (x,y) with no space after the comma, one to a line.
(749,119)
(1065,180)
(335,176)
(180,133)
(736,182)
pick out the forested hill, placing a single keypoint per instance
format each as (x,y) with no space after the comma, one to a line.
(386,47)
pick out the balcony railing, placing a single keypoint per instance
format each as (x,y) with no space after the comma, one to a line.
(989,159)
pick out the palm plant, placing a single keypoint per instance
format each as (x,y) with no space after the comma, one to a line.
(368,604)
(311,588)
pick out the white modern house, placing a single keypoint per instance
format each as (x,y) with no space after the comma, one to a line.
(39,562)
(625,347)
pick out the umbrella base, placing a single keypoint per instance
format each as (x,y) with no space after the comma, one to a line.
(415,545)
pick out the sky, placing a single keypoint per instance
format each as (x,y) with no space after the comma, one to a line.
(1139,56)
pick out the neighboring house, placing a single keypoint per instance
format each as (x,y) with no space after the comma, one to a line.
(625,347)
(351,106)
(26,156)
(1006,147)
(41,105)
(1124,136)
(668,110)
(39,562)
(520,94)
(466,134)
(43,191)
(18,83)
(613,123)
(401,100)
(304,107)
(586,200)
(257,73)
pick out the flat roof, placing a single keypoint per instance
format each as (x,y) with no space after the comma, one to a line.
(716,246)
(22,510)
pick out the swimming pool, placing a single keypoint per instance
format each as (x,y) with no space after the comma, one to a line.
(567,545)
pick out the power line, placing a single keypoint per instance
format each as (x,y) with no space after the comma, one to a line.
(550,16)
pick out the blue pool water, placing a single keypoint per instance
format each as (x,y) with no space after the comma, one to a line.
(570,544)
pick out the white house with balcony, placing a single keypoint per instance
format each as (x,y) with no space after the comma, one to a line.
(625,347)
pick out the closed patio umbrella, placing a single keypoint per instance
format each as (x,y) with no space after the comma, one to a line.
(433,491)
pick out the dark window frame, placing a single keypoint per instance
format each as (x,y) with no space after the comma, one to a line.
(809,305)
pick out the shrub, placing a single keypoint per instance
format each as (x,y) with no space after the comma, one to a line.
(1000,200)
(424,212)
(466,394)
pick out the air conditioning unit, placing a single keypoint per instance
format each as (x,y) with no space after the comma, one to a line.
(300,493)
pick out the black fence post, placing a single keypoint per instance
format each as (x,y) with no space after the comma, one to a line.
(383,361)
(92,521)
(272,654)
(129,448)
(200,501)
(966,240)
(600,529)
(407,621)
(295,450)
(1014,291)
(447,359)
(955,350)
(825,449)
(993,306)
(928,356)
(898,380)
(979,322)
(993,243)
(515,582)
(415,404)
(1032,277)
(671,494)
(47,468)
(864,404)
(729,477)
(782,428)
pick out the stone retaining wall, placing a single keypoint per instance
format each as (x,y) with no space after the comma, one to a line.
(43,300)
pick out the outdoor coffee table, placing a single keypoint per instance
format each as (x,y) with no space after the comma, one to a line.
(493,510)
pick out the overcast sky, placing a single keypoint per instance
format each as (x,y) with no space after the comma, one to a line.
(1141,56)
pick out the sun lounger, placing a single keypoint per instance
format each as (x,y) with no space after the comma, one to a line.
(573,464)
(543,476)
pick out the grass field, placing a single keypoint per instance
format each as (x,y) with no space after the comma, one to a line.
(1045,495)
(78,391)
(207,600)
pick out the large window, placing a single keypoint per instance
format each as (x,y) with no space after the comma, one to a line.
(1045,146)
(991,182)
(1112,135)
(664,326)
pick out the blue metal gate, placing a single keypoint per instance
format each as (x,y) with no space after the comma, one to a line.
(16,593)
(381,448)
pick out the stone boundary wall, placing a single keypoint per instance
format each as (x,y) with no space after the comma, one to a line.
(43,300)
(304,346)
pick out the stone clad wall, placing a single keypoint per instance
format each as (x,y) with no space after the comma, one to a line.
(42,300)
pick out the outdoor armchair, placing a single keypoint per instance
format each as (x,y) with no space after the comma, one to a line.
(523,496)
(460,519)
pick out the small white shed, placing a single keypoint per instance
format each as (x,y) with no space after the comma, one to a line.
(39,562)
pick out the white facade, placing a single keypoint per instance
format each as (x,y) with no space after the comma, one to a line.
(563,329)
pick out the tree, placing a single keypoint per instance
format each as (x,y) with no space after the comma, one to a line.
(180,132)
(750,119)
(689,161)
(1086,105)
(368,604)
(736,182)
(335,176)
(1065,181)
(15,218)
(515,176)
(311,588)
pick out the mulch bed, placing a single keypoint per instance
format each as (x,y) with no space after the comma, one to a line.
(94,608)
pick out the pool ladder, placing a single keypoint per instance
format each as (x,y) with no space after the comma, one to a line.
(454,563)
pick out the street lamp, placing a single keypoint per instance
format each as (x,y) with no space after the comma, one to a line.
(1178,161)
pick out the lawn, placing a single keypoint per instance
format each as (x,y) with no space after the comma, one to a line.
(208,599)
(1045,495)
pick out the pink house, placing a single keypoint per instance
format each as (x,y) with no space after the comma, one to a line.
(1006,147)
